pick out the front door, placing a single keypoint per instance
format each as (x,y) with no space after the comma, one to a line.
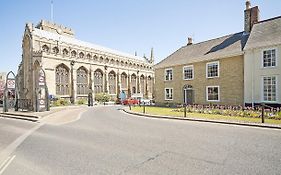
(188,96)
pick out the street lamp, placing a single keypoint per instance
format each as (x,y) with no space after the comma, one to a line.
(72,83)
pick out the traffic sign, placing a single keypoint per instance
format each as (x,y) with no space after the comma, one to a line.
(11,84)
(41,81)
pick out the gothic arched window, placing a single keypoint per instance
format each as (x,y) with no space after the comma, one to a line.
(62,80)
(149,84)
(123,81)
(55,50)
(65,52)
(101,59)
(81,55)
(73,53)
(96,58)
(142,84)
(45,48)
(106,60)
(134,83)
(98,81)
(82,81)
(112,82)
(89,56)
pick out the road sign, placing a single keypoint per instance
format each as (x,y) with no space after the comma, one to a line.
(11,84)
(41,81)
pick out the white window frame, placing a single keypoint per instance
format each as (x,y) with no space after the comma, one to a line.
(262,89)
(183,73)
(214,62)
(171,93)
(276,58)
(170,77)
(218,93)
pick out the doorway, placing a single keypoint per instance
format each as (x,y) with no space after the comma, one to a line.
(188,94)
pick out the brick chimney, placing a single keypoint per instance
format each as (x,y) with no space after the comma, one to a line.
(251,16)
(189,41)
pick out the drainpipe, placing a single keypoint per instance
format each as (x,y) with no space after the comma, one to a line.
(253,87)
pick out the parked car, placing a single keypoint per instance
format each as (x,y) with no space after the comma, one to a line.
(130,101)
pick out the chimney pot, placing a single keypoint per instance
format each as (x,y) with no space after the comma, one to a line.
(189,42)
(248,4)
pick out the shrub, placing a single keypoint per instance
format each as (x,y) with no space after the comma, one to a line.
(217,111)
(82,101)
(102,97)
(254,114)
(61,102)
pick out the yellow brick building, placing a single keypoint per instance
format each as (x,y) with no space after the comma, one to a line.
(203,73)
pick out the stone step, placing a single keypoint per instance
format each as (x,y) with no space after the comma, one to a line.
(20,117)
(20,114)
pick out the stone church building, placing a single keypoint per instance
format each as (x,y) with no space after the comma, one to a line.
(73,67)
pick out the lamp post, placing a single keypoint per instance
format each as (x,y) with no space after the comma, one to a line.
(72,82)
(105,80)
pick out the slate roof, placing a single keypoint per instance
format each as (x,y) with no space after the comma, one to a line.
(265,33)
(222,47)
(70,40)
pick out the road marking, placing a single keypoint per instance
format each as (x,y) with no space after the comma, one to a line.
(13,146)
(6,163)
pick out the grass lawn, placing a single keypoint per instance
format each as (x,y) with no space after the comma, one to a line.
(169,112)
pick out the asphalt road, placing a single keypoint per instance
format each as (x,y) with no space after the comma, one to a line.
(106,141)
(11,129)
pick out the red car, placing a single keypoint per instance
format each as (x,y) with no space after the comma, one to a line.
(131,101)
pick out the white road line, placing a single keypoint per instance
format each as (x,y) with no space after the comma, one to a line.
(6,163)
(12,147)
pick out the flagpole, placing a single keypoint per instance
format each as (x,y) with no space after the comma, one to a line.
(52,11)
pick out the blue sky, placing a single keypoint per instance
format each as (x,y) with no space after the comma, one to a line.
(128,25)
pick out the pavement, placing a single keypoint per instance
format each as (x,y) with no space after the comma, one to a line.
(36,116)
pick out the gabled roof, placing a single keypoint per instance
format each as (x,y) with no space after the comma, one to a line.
(265,33)
(70,40)
(222,47)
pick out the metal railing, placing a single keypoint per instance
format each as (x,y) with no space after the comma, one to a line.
(24,104)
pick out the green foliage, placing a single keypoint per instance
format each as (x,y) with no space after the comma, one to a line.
(226,114)
(61,102)
(81,101)
(102,97)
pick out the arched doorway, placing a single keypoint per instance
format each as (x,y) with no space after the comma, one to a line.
(188,94)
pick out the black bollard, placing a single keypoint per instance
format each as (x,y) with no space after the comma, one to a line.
(262,113)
